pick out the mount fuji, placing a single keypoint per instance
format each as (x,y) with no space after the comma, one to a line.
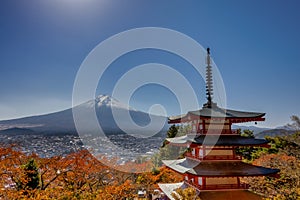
(107,109)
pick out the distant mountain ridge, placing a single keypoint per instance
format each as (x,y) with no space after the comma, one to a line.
(256,130)
(261,132)
(63,121)
(274,133)
(17,131)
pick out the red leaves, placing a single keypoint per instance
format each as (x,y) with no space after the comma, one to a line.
(78,175)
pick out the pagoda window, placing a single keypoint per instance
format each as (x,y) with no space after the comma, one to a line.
(200,181)
(201,153)
(200,126)
(193,151)
(186,178)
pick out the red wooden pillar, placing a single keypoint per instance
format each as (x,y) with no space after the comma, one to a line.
(197,152)
(204,151)
(203,127)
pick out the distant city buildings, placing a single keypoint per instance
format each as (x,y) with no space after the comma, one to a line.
(61,145)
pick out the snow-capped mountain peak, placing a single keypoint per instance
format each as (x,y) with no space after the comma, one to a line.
(107,101)
(108,111)
(104,100)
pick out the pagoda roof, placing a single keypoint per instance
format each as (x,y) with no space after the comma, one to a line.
(218,168)
(181,165)
(217,112)
(217,140)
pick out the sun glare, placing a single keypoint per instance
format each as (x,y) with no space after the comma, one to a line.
(78,6)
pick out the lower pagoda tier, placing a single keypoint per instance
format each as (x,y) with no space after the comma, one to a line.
(169,189)
(212,169)
(217,175)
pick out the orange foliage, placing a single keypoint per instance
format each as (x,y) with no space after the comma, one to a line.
(286,186)
(77,176)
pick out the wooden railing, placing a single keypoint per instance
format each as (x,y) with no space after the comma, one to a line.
(214,157)
(218,186)
(225,186)
(217,132)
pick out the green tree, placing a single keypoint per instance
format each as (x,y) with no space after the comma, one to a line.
(247,133)
(172,132)
(184,130)
(289,145)
(169,151)
(32,180)
(249,153)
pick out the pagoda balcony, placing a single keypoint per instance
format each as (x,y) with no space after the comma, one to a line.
(241,186)
(215,132)
(214,157)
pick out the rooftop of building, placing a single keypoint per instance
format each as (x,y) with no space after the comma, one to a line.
(218,140)
(218,168)
(217,112)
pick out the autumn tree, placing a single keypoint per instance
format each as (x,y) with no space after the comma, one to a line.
(295,123)
(78,175)
(286,186)
(185,194)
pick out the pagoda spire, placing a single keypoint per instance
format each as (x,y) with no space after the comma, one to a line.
(209,81)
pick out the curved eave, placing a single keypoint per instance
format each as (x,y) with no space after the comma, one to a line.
(233,115)
(226,113)
(244,120)
(181,165)
(216,140)
(229,169)
(180,140)
(176,119)
(218,168)
(229,141)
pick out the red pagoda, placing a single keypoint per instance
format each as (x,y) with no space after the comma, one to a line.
(211,165)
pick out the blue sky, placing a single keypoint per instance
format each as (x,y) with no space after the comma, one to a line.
(255,45)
